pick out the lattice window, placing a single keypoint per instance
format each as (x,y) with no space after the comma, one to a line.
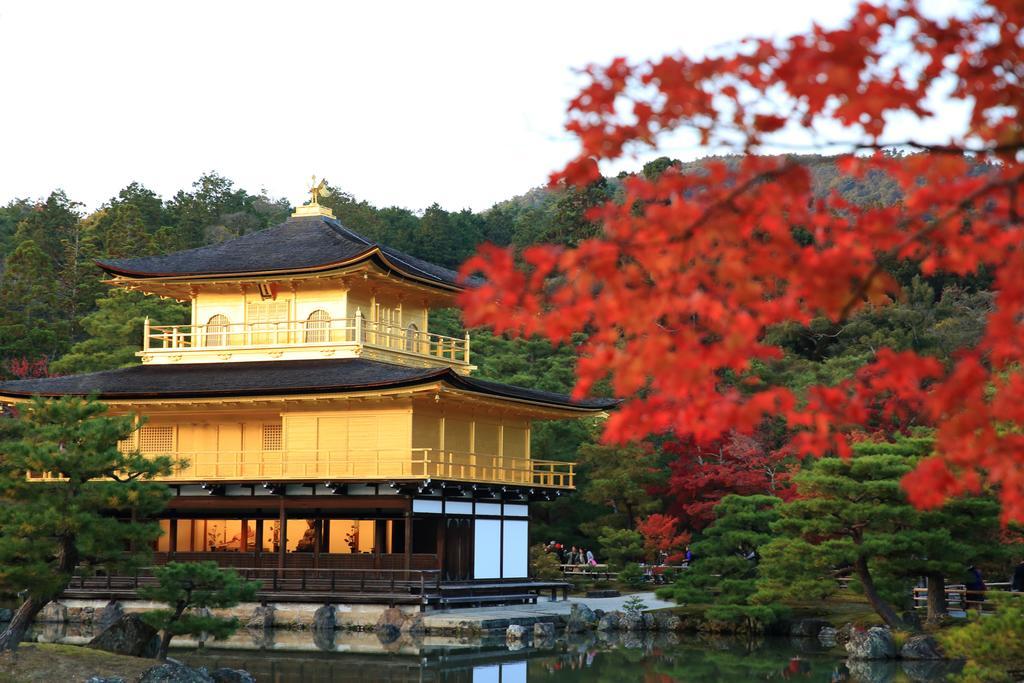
(217,330)
(411,334)
(265,316)
(157,439)
(271,437)
(318,326)
(127,445)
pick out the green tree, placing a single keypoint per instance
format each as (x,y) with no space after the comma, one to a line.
(620,478)
(725,570)
(191,589)
(91,515)
(853,514)
(621,546)
(122,232)
(31,324)
(115,331)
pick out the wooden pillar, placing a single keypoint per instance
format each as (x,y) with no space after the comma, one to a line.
(317,530)
(243,545)
(172,541)
(408,540)
(442,523)
(326,532)
(258,543)
(282,536)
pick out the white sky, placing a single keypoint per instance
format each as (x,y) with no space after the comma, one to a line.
(398,103)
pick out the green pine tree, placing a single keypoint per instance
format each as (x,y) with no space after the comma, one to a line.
(853,514)
(89,516)
(191,589)
(31,325)
(115,331)
(725,571)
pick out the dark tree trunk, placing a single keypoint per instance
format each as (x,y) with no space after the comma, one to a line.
(165,637)
(936,598)
(881,607)
(20,622)
(67,559)
(165,644)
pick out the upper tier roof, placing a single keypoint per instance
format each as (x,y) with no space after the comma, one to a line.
(199,380)
(302,244)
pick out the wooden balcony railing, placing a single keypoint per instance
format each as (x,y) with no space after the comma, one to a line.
(342,465)
(297,333)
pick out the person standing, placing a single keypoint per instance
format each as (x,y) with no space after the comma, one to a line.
(974,592)
(593,562)
(1017,582)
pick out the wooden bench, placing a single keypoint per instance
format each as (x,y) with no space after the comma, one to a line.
(529,598)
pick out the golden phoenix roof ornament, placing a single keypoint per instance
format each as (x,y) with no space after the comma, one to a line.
(314,208)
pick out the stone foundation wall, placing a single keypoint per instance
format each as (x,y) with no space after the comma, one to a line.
(280,615)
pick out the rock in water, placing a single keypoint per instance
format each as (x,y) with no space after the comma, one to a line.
(261,618)
(828,636)
(324,618)
(105,679)
(631,621)
(875,643)
(129,635)
(609,622)
(921,647)
(226,675)
(543,630)
(54,612)
(515,633)
(581,618)
(173,672)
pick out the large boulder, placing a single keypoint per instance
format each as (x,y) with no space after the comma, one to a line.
(875,643)
(666,622)
(129,635)
(261,618)
(921,647)
(515,633)
(226,675)
(174,672)
(108,615)
(325,618)
(609,622)
(581,618)
(54,612)
(543,630)
(828,636)
(808,628)
(844,632)
(632,621)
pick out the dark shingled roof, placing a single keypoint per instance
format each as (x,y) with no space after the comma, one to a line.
(197,380)
(300,243)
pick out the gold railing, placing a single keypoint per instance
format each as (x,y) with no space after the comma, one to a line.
(337,331)
(341,465)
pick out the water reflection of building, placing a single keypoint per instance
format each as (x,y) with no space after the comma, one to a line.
(317,422)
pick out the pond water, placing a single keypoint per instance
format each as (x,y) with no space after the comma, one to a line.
(594,658)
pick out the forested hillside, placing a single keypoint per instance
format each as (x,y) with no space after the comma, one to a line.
(56,317)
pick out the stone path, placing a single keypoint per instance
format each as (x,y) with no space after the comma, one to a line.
(492,618)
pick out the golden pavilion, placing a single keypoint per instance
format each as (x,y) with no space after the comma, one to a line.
(317,425)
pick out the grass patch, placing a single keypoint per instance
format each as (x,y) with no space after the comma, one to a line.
(49,662)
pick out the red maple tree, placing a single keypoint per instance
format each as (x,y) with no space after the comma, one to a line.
(738,464)
(691,268)
(662,538)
